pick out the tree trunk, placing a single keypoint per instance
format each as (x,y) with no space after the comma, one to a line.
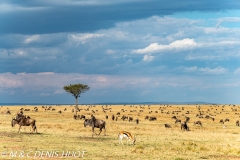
(76,106)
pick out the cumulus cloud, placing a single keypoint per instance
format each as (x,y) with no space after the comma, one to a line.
(184,44)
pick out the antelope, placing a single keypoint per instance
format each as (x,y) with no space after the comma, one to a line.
(128,136)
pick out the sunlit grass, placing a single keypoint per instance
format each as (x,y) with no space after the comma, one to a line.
(60,132)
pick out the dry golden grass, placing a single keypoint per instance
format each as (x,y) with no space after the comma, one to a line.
(60,132)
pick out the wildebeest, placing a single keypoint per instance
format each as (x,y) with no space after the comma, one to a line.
(226,120)
(137,120)
(178,121)
(75,116)
(198,122)
(130,119)
(8,112)
(221,121)
(187,119)
(237,123)
(82,117)
(93,122)
(152,118)
(167,126)
(24,121)
(124,117)
(184,126)
(174,117)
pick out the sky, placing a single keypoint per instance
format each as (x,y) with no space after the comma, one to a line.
(124,50)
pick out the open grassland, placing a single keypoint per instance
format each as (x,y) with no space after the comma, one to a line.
(60,132)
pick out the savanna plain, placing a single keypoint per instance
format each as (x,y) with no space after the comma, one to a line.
(58,131)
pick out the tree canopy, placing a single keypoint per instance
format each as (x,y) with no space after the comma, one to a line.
(76,89)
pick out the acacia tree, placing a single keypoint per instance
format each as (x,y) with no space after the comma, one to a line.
(76,90)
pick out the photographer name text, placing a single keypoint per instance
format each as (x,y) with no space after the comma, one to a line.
(41,154)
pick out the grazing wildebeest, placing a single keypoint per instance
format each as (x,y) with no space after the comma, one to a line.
(124,117)
(82,117)
(113,117)
(93,122)
(207,116)
(221,121)
(137,120)
(178,121)
(130,119)
(106,117)
(198,122)
(174,117)
(152,118)
(167,126)
(24,121)
(226,120)
(75,116)
(184,126)
(8,112)
(237,123)
(187,119)
(147,117)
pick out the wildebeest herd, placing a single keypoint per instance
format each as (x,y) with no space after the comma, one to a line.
(176,116)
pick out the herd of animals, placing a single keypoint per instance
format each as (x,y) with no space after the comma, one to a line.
(23,120)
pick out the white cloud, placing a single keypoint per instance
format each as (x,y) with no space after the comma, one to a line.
(54,82)
(109,51)
(83,38)
(44,94)
(31,39)
(237,71)
(148,58)
(203,57)
(85,2)
(227,19)
(184,44)
(58,92)
(214,71)
(4,7)
(203,71)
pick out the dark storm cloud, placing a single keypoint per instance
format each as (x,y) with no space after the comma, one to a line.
(39,17)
